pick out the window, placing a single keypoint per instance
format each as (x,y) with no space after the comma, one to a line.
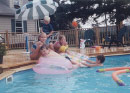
(19,27)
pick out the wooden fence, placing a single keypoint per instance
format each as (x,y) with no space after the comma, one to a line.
(17,40)
(73,36)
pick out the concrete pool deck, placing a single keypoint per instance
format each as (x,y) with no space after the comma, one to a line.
(18,60)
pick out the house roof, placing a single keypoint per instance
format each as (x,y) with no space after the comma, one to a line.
(6,10)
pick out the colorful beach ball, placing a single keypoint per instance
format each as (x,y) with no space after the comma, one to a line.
(74,24)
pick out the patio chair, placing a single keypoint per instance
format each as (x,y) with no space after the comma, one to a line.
(89,36)
(54,37)
(116,39)
(2,40)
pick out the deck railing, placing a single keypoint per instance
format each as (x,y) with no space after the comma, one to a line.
(17,40)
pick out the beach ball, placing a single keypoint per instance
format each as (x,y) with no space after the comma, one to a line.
(63,48)
(74,24)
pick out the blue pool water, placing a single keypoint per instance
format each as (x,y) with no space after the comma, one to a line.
(82,80)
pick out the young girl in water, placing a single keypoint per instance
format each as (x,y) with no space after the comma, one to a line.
(61,45)
(35,50)
(44,50)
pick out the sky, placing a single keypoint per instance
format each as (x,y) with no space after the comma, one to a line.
(89,23)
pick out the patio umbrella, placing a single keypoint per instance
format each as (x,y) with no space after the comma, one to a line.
(36,9)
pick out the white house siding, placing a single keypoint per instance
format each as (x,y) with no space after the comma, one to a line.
(6,2)
(11,3)
(20,38)
(5,23)
(25,1)
(31,27)
(21,2)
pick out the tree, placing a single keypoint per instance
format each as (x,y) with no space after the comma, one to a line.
(61,20)
(117,10)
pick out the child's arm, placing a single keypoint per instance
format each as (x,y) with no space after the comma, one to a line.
(50,33)
(91,65)
(35,52)
(67,51)
(89,61)
(75,63)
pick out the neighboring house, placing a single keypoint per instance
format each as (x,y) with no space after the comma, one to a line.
(7,18)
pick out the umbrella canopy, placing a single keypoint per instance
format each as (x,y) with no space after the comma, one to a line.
(34,10)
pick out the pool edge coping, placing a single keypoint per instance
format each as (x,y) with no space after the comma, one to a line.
(12,71)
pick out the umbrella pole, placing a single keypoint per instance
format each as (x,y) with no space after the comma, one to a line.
(27,44)
(22,27)
(39,26)
(35,26)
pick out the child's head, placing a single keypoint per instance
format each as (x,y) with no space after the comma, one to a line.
(44,50)
(42,37)
(46,19)
(62,39)
(100,58)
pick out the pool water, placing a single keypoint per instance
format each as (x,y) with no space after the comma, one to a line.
(82,80)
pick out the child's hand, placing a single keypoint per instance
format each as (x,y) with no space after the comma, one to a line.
(39,44)
(82,62)
(81,65)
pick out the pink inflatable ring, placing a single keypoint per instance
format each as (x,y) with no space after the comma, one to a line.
(53,65)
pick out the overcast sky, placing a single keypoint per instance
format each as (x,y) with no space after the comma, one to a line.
(90,22)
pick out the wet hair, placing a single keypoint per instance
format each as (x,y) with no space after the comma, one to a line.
(61,36)
(44,46)
(101,58)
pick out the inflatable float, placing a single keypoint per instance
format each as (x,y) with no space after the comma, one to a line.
(57,64)
(53,65)
(74,56)
(116,79)
(112,69)
(63,48)
(118,70)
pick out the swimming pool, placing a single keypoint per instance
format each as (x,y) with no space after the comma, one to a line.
(82,80)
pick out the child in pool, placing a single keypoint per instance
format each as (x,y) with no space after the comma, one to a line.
(61,45)
(99,61)
(35,50)
(44,50)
